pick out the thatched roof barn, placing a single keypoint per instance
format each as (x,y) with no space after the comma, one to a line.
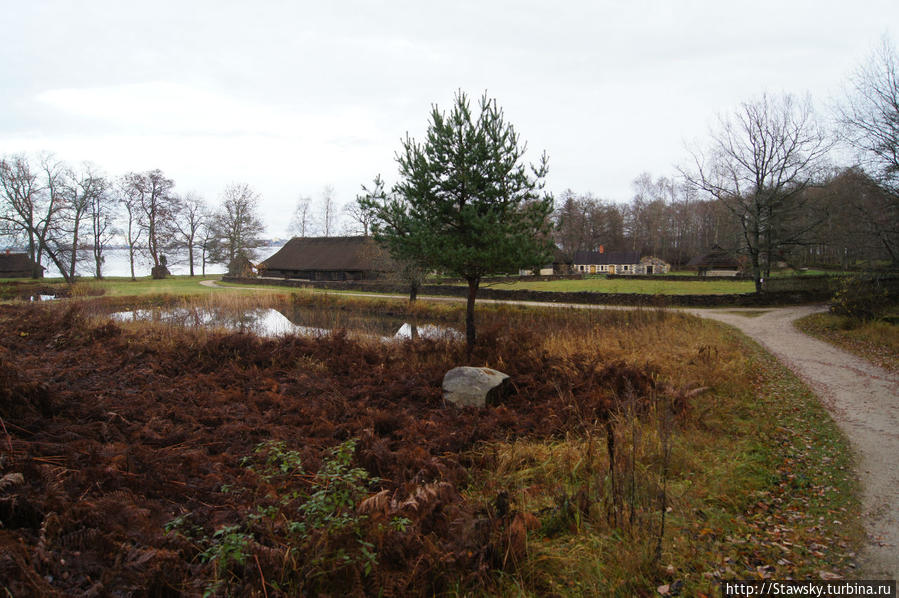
(18,265)
(716,262)
(329,258)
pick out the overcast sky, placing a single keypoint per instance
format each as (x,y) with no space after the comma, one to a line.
(292,96)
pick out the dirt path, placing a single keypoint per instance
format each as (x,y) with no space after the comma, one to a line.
(864,401)
(862,398)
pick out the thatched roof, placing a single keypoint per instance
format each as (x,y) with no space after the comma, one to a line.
(715,259)
(15,262)
(606,258)
(334,254)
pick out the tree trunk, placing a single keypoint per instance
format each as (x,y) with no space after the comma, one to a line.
(413,291)
(756,272)
(74,249)
(131,260)
(60,266)
(35,264)
(469,314)
(190,258)
(754,251)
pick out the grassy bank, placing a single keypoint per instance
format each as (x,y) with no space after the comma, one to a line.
(111,286)
(876,341)
(225,463)
(647,287)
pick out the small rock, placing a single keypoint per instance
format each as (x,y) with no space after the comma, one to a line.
(159,272)
(469,386)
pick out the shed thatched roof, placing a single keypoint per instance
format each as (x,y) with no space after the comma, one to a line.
(330,254)
(715,259)
(16,262)
(607,257)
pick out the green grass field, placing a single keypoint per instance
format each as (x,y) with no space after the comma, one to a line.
(620,285)
(119,286)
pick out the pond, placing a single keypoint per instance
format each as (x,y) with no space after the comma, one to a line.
(279,322)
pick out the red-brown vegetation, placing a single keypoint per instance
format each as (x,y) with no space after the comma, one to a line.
(111,435)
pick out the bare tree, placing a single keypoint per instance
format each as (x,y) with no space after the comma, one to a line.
(21,206)
(583,222)
(31,208)
(101,212)
(870,114)
(83,191)
(129,199)
(759,163)
(571,222)
(236,224)
(360,216)
(301,222)
(190,219)
(647,219)
(52,234)
(861,220)
(206,241)
(870,124)
(157,207)
(328,211)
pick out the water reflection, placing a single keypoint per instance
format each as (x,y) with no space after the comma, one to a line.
(273,322)
(428,331)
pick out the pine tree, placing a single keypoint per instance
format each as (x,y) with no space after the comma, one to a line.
(466,204)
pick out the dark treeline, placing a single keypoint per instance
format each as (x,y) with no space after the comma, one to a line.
(845,220)
(664,218)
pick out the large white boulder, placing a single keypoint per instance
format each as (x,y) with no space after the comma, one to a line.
(469,386)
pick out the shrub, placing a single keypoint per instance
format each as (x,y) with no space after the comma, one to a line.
(861,296)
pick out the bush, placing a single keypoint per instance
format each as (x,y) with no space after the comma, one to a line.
(861,297)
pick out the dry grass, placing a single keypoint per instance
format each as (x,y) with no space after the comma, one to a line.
(726,471)
(876,341)
(728,451)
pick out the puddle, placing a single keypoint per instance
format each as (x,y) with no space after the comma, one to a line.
(428,331)
(273,323)
(262,321)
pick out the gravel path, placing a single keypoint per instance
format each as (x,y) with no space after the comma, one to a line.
(864,401)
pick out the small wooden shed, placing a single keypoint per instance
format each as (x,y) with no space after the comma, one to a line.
(18,265)
(716,262)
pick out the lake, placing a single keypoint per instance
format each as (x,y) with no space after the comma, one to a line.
(116,263)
